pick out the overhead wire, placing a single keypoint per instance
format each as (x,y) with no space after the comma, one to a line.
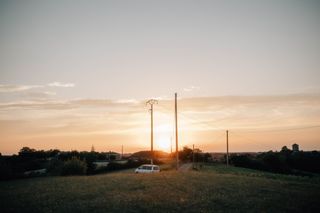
(239,132)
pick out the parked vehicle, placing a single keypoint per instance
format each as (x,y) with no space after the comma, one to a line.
(147,168)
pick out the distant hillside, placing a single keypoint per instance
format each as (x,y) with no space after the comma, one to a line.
(147,154)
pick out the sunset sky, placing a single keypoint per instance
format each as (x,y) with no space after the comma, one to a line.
(78,73)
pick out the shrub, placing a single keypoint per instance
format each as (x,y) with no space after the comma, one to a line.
(55,167)
(74,166)
(6,171)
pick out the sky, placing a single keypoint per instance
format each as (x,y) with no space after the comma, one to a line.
(78,73)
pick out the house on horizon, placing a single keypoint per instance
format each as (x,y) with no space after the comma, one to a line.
(295,147)
(113,156)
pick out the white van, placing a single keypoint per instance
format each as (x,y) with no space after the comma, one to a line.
(147,168)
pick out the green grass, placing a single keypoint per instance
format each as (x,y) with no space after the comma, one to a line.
(213,189)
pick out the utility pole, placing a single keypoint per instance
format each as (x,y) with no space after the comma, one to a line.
(151,102)
(192,156)
(227,148)
(171,145)
(121,152)
(176,122)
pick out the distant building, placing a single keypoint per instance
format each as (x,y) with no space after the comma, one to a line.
(295,147)
(113,156)
(101,164)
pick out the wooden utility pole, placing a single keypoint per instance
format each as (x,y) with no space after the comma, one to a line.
(227,148)
(121,152)
(151,102)
(176,122)
(192,156)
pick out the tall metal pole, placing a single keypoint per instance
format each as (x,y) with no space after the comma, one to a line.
(176,121)
(151,102)
(227,148)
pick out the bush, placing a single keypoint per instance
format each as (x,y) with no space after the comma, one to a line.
(55,167)
(74,166)
(6,171)
(275,162)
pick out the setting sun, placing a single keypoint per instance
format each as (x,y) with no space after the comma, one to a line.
(163,136)
(164,142)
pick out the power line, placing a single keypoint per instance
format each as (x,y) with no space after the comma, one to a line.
(281,130)
(197,121)
(210,125)
(204,124)
(246,138)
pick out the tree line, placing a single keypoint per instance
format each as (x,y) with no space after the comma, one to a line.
(286,161)
(56,162)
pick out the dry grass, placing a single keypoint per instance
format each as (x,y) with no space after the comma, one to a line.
(213,189)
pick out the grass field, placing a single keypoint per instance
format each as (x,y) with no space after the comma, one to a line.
(213,189)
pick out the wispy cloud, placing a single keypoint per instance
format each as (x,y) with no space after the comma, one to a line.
(44,104)
(17,88)
(59,84)
(191,88)
(8,88)
(38,94)
(37,105)
(127,101)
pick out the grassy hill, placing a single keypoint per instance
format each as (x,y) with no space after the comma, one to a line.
(213,189)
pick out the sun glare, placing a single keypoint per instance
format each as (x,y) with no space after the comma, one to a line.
(164,143)
(163,138)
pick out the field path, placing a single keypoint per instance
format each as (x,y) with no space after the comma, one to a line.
(185,167)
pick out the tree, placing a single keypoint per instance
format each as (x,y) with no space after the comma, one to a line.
(285,149)
(207,157)
(27,152)
(185,154)
(52,152)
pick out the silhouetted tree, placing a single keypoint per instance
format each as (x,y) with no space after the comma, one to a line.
(185,154)
(27,152)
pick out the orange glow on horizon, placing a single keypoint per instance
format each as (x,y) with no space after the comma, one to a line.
(164,143)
